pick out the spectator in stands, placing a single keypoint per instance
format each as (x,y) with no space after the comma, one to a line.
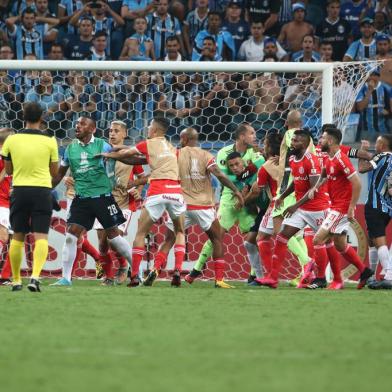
(141,103)
(173,49)
(26,80)
(109,98)
(381,25)
(304,93)
(104,19)
(65,10)
(98,50)
(131,9)
(7,100)
(335,30)
(3,34)
(139,46)
(79,98)
(267,96)
(353,11)
(51,98)
(286,13)
(162,25)
(56,52)
(253,48)
(78,47)
(292,32)
(194,22)
(209,51)
(235,24)
(6,53)
(273,49)
(374,105)
(19,6)
(326,52)
(46,23)
(266,11)
(307,54)
(27,38)
(364,48)
(224,40)
(384,53)
(182,101)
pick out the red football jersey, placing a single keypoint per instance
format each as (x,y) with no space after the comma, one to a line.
(265,180)
(302,170)
(136,170)
(339,169)
(5,187)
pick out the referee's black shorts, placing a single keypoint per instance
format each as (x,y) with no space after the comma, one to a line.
(30,209)
(104,208)
(376,221)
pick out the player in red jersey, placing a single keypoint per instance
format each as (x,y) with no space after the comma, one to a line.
(267,177)
(5,188)
(344,188)
(164,194)
(306,171)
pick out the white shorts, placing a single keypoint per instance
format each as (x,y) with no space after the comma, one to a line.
(173,203)
(301,218)
(336,222)
(69,202)
(267,223)
(5,217)
(203,218)
(123,227)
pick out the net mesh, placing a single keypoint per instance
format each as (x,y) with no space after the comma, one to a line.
(213,103)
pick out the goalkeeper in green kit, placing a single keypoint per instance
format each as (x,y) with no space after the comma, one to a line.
(239,162)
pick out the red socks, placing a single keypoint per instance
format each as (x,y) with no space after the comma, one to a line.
(219,267)
(160,260)
(75,264)
(279,255)
(137,257)
(265,251)
(308,238)
(179,254)
(351,256)
(89,249)
(106,261)
(334,259)
(321,260)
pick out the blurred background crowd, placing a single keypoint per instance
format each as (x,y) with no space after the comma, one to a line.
(191,30)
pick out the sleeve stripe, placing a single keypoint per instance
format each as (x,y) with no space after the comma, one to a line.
(348,177)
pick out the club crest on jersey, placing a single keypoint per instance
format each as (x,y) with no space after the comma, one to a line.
(301,170)
(340,29)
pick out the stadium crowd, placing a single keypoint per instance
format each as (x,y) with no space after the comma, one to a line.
(201,30)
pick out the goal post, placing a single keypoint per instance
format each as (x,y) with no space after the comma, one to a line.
(213,97)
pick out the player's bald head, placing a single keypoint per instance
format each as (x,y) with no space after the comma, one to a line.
(294,119)
(189,137)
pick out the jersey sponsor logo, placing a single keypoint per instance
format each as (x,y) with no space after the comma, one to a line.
(83,158)
(299,178)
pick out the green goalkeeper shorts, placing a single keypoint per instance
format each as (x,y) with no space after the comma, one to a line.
(288,202)
(228,216)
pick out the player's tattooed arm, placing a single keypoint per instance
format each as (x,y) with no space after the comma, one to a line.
(214,169)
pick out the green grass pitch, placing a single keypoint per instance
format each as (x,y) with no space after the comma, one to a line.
(196,338)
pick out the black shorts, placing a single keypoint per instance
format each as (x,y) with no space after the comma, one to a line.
(259,218)
(376,222)
(30,209)
(84,211)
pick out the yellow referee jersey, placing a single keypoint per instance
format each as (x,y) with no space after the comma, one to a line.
(30,152)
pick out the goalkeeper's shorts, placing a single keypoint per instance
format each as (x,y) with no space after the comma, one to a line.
(228,216)
(288,202)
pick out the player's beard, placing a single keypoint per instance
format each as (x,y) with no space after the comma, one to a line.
(324,148)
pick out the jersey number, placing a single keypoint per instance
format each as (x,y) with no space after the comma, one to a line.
(112,209)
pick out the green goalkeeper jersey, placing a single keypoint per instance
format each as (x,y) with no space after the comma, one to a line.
(250,157)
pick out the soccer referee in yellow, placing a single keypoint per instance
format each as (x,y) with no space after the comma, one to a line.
(31,156)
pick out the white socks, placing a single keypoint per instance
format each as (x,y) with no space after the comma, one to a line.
(69,255)
(121,245)
(254,258)
(373,258)
(385,260)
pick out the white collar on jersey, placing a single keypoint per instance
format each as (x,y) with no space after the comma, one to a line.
(91,141)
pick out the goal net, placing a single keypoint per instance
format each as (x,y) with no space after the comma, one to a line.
(214,98)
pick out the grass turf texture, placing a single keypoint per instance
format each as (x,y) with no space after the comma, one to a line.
(196,338)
